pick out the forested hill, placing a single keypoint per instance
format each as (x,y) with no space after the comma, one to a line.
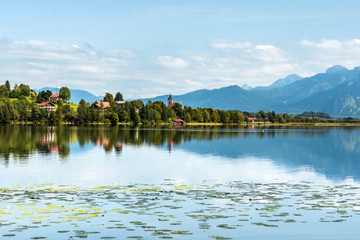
(76,95)
(335,92)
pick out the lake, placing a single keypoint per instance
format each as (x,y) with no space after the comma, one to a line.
(179,183)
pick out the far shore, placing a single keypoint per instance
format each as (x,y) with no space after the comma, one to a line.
(297,124)
(254,124)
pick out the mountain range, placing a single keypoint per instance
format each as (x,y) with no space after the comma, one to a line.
(335,92)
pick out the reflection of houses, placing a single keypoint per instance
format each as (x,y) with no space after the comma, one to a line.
(171,102)
(102,142)
(49,106)
(101,105)
(119,145)
(48,142)
(178,122)
(55,97)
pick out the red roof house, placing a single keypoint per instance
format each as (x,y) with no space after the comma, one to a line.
(49,106)
(178,122)
(104,105)
(55,97)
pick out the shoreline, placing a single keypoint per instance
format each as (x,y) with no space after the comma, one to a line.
(256,124)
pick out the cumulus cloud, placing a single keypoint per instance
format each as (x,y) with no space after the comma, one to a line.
(172,62)
(328,52)
(42,63)
(268,53)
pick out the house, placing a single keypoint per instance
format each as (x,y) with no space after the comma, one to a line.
(170,102)
(49,106)
(178,123)
(55,97)
(99,105)
(252,119)
(120,103)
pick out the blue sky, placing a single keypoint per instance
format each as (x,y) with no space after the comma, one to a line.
(149,48)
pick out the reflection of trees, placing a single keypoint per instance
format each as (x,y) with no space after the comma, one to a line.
(17,140)
(318,147)
(23,141)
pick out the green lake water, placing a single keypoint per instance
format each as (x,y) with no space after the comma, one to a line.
(187,183)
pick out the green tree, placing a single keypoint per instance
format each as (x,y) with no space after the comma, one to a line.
(119,97)
(7,84)
(178,110)
(240,117)
(124,116)
(4,92)
(82,102)
(215,117)
(43,96)
(114,118)
(109,98)
(16,92)
(65,93)
(53,118)
(187,117)
(206,115)
(24,90)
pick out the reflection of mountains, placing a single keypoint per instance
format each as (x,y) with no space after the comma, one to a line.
(333,151)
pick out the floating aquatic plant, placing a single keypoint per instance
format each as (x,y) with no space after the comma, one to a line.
(164,210)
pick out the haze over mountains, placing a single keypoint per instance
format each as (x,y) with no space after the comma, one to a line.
(335,92)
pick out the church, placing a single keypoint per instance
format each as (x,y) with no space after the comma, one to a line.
(171,102)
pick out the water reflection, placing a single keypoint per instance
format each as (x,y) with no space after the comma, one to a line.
(334,152)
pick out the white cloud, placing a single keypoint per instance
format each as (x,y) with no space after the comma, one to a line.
(323,44)
(172,62)
(329,52)
(227,44)
(120,53)
(268,53)
(41,63)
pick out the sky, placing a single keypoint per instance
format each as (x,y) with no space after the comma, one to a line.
(150,48)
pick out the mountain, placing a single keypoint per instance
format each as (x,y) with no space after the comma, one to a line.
(342,100)
(246,87)
(76,95)
(335,92)
(222,98)
(282,82)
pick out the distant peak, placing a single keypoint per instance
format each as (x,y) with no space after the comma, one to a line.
(232,86)
(336,69)
(246,87)
(293,76)
(285,81)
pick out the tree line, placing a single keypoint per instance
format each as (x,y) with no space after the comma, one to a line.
(22,104)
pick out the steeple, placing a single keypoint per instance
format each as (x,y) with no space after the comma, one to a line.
(170,101)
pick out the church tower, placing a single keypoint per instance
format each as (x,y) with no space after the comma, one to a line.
(170,101)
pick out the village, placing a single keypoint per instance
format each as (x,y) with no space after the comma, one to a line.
(23,105)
